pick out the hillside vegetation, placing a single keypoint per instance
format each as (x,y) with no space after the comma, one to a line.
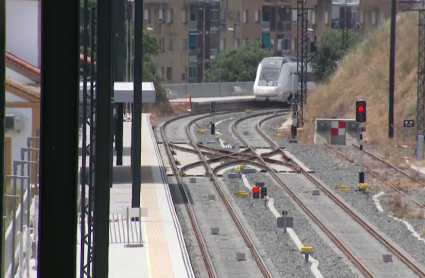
(364,75)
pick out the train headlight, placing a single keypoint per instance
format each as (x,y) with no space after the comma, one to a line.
(260,84)
(274,84)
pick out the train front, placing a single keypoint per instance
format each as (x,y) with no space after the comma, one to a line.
(266,86)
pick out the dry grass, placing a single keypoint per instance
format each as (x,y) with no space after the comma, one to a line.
(364,75)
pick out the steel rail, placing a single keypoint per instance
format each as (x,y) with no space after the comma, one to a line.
(375,175)
(194,222)
(255,253)
(391,165)
(398,253)
(350,255)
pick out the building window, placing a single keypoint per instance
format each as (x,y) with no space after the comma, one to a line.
(146,16)
(193,73)
(160,72)
(286,45)
(192,16)
(184,16)
(257,16)
(326,17)
(184,45)
(373,18)
(382,17)
(214,16)
(238,17)
(161,45)
(245,16)
(170,16)
(161,15)
(222,44)
(312,16)
(170,45)
(184,73)
(193,42)
(169,73)
(294,15)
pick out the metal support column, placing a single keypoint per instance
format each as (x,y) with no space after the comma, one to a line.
(136,135)
(203,41)
(392,70)
(103,147)
(120,62)
(302,24)
(344,29)
(420,113)
(60,34)
(2,115)
(87,175)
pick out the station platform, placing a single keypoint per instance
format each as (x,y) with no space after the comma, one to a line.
(155,246)
(209,99)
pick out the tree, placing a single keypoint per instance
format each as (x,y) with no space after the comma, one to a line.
(150,49)
(237,65)
(330,51)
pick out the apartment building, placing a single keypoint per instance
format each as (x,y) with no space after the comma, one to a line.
(192,32)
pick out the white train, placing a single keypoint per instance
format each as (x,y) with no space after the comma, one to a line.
(274,81)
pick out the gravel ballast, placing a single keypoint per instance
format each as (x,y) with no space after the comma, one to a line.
(334,172)
(278,244)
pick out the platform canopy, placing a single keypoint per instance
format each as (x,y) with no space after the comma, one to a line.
(123,92)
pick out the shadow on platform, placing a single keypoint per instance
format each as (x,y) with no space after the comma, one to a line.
(123,174)
(125,152)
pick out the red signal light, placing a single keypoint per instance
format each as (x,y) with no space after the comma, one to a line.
(256,190)
(361,108)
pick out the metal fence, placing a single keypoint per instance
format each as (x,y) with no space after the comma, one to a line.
(223,89)
(21,208)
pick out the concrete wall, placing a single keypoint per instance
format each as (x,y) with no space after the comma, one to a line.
(209,89)
(22,30)
(322,132)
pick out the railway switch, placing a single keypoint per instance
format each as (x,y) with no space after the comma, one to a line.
(256,192)
(263,192)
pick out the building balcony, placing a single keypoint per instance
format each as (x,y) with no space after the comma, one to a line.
(193,26)
(214,24)
(284,26)
(213,52)
(193,55)
(266,26)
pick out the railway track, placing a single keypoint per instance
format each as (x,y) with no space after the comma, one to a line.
(394,249)
(378,177)
(189,208)
(219,155)
(350,255)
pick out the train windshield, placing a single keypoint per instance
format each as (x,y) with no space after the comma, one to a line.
(269,75)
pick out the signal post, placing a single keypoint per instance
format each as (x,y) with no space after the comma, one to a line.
(361,119)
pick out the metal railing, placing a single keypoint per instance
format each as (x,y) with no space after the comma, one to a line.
(216,89)
(193,25)
(214,24)
(266,26)
(213,52)
(21,208)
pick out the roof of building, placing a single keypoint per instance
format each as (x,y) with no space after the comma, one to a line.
(31,91)
(28,70)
